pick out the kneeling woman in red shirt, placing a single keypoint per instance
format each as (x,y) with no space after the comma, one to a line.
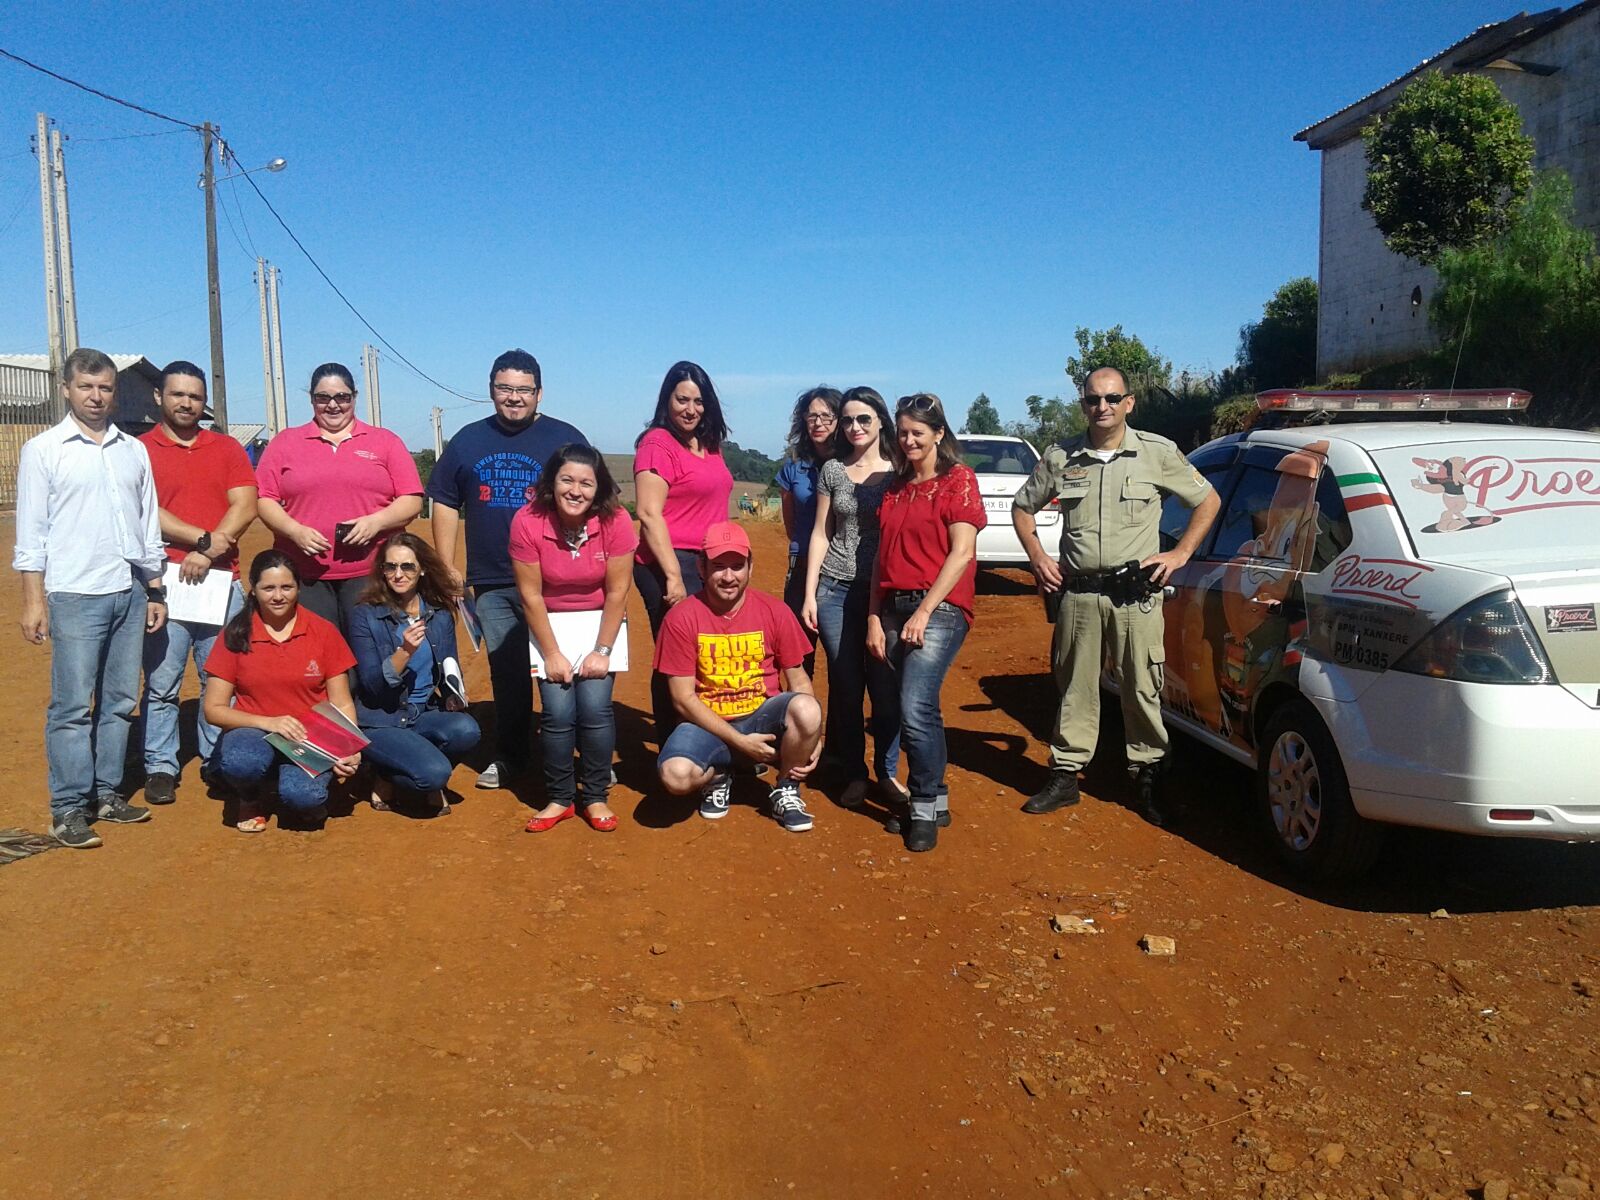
(572,548)
(274,662)
(920,605)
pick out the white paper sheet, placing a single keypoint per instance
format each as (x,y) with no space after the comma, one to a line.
(204,603)
(576,634)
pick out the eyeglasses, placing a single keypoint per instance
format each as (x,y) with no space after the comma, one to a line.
(1090,400)
(820,418)
(401,568)
(921,402)
(864,420)
(328,399)
(521,393)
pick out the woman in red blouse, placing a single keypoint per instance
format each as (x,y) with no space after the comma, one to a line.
(920,606)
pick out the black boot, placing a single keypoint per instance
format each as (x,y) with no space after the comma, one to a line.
(1147,790)
(1060,792)
(921,835)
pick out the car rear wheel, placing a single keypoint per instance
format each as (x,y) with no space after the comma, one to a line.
(1304,799)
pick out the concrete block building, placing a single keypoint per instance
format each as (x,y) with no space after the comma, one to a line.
(1373,303)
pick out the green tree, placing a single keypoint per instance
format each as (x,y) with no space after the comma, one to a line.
(1049,421)
(424,460)
(1447,165)
(1280,350)
(1141,366)
(1524,309)
(748,466)
(982,417)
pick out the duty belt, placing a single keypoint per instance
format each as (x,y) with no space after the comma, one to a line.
(1128,584)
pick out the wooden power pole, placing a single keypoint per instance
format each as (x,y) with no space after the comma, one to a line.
(219,381)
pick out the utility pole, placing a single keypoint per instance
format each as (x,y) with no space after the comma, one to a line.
(282,396)
(219,382)
(69,291)
(369,366)
(269,388)
(438,434)
(52,281)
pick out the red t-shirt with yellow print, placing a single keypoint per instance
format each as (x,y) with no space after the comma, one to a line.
(735,660)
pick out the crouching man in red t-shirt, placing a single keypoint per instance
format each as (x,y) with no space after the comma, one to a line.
(721,651)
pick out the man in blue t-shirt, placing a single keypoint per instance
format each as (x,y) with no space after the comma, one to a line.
(486,474)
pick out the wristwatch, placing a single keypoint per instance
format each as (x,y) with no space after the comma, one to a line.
(156,593)
(203,543)
(603,651)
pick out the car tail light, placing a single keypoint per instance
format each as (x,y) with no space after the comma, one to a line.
(1491,640)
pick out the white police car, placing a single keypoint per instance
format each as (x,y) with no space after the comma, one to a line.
(1395,622)
(1002,465)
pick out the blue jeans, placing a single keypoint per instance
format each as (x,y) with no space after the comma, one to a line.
(246,759)
(706,749)
(419,756)
(577,716)
(166,654)
(852,673)
(505,638)
(651,583)
(919,673)
(94,664)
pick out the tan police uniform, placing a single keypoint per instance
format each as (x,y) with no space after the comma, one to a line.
(1110,513)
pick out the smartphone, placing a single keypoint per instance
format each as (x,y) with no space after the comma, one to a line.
(342,530)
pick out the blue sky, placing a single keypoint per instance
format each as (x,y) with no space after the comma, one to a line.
(912,196)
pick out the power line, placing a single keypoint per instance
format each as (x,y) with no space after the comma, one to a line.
(371,328)
(123,137)
(94,91)
(228,152)
(233,190)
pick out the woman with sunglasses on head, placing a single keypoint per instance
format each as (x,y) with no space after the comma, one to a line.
(402,633)
(681,488)
(572,548)
(844,544)
(811,443)
(273,664)
(920,604)
(331,489)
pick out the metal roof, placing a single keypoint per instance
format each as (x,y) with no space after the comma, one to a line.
(1476,49)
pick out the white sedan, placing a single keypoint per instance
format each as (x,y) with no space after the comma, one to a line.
(1395,623)
(1003,465)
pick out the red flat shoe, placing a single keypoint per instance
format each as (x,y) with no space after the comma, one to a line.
(604,824)
(540,824)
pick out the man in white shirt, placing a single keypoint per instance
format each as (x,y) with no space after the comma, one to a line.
(89,551)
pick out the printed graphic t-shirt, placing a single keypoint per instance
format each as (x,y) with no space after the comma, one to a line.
(283,679)
(735,659)
(486,474)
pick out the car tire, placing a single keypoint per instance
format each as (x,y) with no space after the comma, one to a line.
(1303,799)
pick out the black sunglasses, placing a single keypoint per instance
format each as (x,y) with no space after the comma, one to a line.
(1090,400)
(400,568)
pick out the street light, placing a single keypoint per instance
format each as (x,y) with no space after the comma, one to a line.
(208,184)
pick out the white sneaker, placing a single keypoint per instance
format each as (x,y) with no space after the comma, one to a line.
(494,776)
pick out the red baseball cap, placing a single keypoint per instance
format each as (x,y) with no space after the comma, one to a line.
(726,538)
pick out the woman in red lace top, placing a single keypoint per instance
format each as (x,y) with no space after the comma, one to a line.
(922,591)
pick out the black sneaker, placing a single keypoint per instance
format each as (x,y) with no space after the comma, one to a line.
(788,809)
(922,835)
(73,831)
(1147,791)
(1060,792)
(119,812)
(715,797)
(897,822)
(160,788)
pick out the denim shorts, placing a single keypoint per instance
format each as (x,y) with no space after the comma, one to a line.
(706,749)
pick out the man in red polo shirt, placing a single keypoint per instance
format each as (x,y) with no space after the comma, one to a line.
(207,493)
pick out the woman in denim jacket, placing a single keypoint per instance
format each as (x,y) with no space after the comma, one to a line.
(401,633)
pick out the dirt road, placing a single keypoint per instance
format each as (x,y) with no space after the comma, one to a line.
(452,1008)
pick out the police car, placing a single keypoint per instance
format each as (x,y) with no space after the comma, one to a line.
(1002,465)
(1394,622)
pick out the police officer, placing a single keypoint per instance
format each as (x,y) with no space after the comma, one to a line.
(1110,481)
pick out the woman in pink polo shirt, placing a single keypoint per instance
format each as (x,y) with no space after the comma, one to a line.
(572,549)
(331,490)
(682,488)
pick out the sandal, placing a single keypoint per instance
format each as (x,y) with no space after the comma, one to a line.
(255,824)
